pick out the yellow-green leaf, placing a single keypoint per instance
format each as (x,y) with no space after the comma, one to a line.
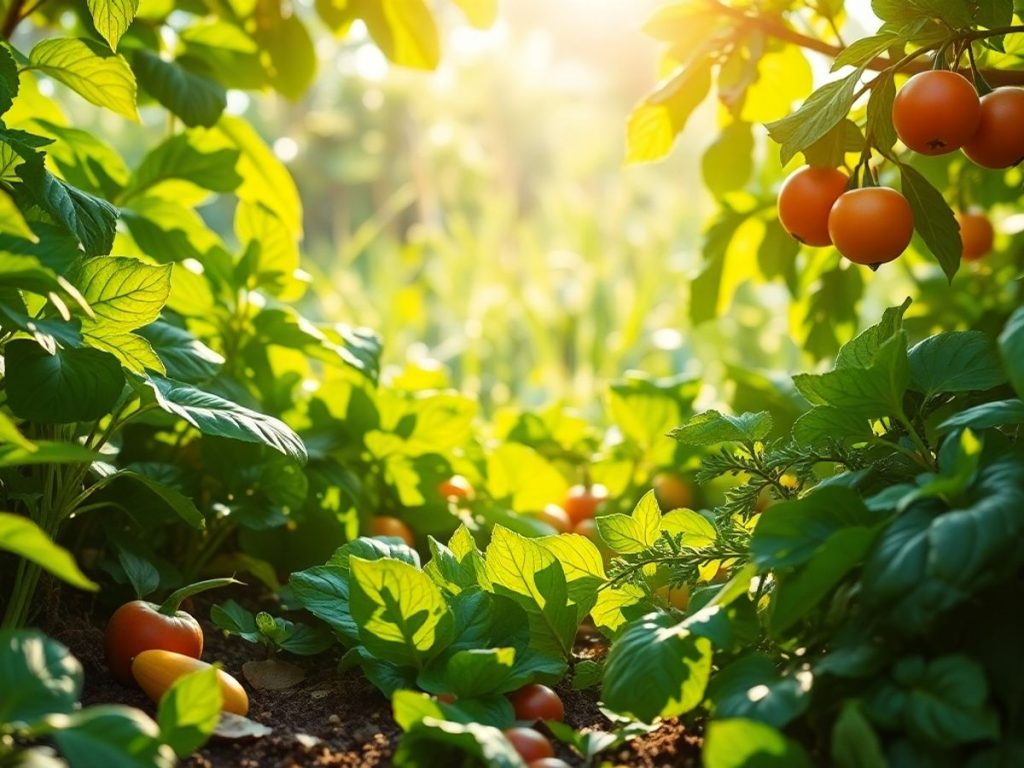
(112,18)
(95,74)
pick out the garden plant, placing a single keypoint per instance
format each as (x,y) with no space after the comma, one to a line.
(239,527)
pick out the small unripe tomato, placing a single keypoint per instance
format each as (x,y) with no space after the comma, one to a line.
(677,597)
(455,487)
(999,141)
(537,702)
(936,112)
(977,235)
(805,199)
(582,501)
(556,517)
(139,626)
(385,525)
(156,671)
(673,491)
(872,225)
(529,744)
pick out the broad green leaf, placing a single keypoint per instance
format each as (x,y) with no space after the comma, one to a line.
(182,505)
(751,687)
(46,452)
(179,158)
(854,742)
(9,83)
(213,415)
(111,736)
(70,385)
(521,475)
(404,30)
(471,672)
(184,356)
(822,111)
(97,75)
(401,613)
(629,534)
(38,676)
(196,99)
(12,222)
(824,423)
(26,539)
(654,124)
(860,351)
(956,13)
(674,664)
(169,232)
(933,219)
(525,571)
(189,711)
(85,160)
(112,18)
(446,570)
(616,606)
(697,531)
(712,427)
(432,742)
(124,294)
(133,351)
(1011,346)
(741,743)
(861,51)
(958,361)
(727,164)
(324,591)
(289,50)
(987,415)
(880,130)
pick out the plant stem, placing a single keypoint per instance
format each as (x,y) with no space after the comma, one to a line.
(11,19)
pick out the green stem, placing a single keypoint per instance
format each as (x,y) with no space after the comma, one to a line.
(922,449)
(170,606)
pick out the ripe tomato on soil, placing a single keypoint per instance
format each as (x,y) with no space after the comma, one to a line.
(999,140)
(977,234)
(385,525)
(936,112)
(556,517)
(582,501)
(872,225)
(537,702)
(139,626)
(805,199)
(672,490)
(529,744)
(155,671)
(455,487)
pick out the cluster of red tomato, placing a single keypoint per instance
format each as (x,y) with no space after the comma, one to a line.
(935,113)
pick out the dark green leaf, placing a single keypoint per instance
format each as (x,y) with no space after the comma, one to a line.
(958,361)
(38,677)
(111,736)
(778,700)
(1011,346)
(933,219)
(197,100)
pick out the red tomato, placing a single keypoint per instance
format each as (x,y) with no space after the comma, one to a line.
(537,702)
(582,502)
(556,517)
(936,112)
(805,199)
(384,525)
(455,487)
(871,225)
(977,235)
(529,744)
(139,626)
(999,140)
(156,671)
(672,490)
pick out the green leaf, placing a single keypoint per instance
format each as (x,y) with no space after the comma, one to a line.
(471,673)
(213,415)
(111,736)
(824,423)
(826,108)
(180,504)
(38,676)
(712,427)
(112,18)
(526,572)
(46,452)
(8,79)
(179,158)
(96,74)
(654,123)
(196,99)
(277,249)
(432,742)
(629,534)
(523,476)
(1011,347)
(985,416)
(142,575)
(189,711)
(124,294)
(404,30)
(26,539)
(728,163)
(933,219)
(85,160)
(133,351)
(860,352)
(958,361)
(324,592)
(854,742)
(674,664)
(956,13)
(289,49)
(861,51)
(401,613)
(70,385)
(751,687)
(12,221)
(740,743)
(880,130)
(184,356)
(697,531)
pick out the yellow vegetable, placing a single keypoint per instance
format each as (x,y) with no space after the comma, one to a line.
(155,671)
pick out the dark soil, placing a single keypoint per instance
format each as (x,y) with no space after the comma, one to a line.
(330,718)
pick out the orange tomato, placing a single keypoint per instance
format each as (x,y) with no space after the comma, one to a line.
(977,235)
(582,501)
(156,671)
(805,199)
(529,744)
(999,140)
(139,626)
(385,525)
(936,112)
(672,490)
(537,702)
(871,225)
